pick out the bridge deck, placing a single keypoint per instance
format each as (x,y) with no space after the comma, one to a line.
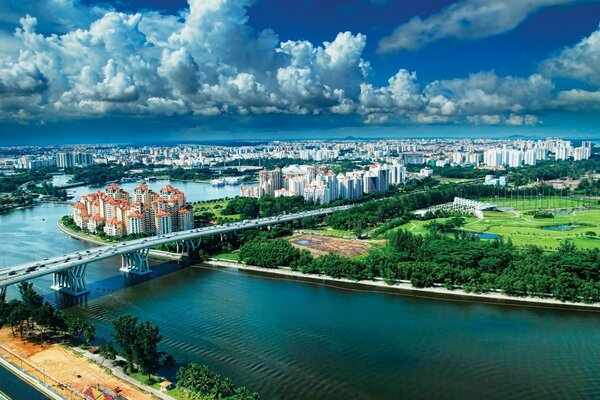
(30,270)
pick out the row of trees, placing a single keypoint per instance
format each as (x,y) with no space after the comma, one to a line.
(459,261)
(138,342)
(266,206)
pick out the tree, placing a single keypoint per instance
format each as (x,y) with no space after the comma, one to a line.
(80,331)
(145,347)
(89,333)
(125,336)
(18,315)
(107,351)
(45,318)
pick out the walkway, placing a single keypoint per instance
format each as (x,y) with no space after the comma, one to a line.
(118,372)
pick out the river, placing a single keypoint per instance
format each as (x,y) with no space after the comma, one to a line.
(293,340)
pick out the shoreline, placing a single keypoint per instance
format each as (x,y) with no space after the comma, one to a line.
(405,288)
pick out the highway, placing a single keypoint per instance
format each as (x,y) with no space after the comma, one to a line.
(17,273)
(15,388)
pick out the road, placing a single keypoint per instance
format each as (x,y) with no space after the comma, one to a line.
(16,388)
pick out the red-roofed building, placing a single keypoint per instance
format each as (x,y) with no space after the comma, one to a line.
(117,213)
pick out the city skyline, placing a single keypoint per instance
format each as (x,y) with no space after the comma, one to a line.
(89,72)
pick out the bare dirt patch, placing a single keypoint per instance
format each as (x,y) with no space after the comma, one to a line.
(65,366)
(320,245)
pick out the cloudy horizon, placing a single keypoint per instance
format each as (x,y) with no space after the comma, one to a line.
(215,67)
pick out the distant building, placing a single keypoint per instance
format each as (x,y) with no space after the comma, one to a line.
(74,159)
(496,181)
(323,186)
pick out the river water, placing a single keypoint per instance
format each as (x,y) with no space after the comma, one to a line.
(293,340)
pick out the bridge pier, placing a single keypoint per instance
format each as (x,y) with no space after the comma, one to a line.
(70,281)
(3,293)
(135,262)
(188,245)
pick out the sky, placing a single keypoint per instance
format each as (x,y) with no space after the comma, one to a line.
(87,71)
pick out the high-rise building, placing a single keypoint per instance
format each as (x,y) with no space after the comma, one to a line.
(64,160)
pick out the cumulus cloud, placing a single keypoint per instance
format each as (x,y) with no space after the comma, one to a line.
(468,19)
(209,61)
(580,62)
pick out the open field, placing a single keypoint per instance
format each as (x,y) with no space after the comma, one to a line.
(525,230)
(531,203)
(320,245)
(327,231)
(443,180)
(215,207)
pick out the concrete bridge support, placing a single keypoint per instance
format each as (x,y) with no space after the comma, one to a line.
(188,245)
(135,262)
(71,281)
(3,293)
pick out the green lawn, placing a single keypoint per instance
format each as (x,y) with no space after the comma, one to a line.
(539,202)
(442,180)
(525,230)
(176,393)
(330,232)
(215,207)
(227,257)
(418,227)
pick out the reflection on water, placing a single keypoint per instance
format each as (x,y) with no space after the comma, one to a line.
(561,228)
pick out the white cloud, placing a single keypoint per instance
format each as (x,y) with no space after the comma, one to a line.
(485,92)
(581,62)
(208,61)
(468,19)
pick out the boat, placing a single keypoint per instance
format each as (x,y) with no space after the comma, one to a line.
(217,182)
(233,180)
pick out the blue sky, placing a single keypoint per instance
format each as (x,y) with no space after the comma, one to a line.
(138,70)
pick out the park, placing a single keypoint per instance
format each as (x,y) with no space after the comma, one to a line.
(544,221)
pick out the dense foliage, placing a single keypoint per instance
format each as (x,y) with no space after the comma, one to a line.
(30,315)
(266,206)
(198,382)
(269,254)
(99,174)
(138,342)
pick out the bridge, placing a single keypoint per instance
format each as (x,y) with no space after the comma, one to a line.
(69,269)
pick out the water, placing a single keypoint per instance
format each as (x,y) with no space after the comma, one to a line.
(194,191)
(304,242)
(480,235)
(293,340)
(561,228)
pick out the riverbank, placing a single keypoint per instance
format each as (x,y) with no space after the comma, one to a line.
(405,288)
(153,253)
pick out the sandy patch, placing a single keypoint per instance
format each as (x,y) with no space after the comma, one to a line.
(62,364)
(320,245)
